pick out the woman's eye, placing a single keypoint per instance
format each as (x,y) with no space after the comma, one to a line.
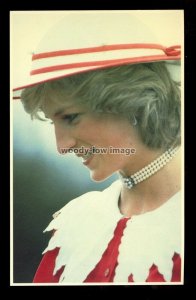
(69,118)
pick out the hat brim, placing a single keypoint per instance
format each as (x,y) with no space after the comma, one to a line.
(60,71)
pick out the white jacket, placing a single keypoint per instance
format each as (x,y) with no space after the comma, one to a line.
(86,224)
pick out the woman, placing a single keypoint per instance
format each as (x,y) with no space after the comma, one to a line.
(119,114)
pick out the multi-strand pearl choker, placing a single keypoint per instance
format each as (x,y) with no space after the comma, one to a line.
(149,170)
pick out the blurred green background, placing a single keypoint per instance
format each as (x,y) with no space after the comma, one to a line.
(43,182)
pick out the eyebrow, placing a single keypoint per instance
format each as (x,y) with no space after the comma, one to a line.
(60,111)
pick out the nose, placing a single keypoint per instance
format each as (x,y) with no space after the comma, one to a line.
(64,139)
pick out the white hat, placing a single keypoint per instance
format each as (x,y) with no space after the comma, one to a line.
(85,41)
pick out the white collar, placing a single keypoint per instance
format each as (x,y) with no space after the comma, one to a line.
(86,224)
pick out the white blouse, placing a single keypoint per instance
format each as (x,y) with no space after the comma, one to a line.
(85,226)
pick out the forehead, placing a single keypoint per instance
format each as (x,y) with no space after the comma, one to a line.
(54,107)
(54,101)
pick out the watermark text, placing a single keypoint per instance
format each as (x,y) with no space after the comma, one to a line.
(94,150)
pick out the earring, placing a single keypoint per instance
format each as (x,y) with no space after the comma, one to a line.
(134,121)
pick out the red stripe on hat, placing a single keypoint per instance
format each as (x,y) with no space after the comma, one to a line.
(106,63)
(102,49)
(173,50)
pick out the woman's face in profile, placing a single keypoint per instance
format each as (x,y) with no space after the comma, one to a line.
(76,128)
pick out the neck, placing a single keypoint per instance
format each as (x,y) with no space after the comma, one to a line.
(154,191)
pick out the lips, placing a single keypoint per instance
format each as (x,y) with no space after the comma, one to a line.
(86,156)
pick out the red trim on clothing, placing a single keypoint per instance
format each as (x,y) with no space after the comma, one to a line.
(104,271)
(107,63)
(154,275)
(173,50)
(176,272)
(45,270)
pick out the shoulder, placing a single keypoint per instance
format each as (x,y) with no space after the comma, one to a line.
(90,203)
(89,200)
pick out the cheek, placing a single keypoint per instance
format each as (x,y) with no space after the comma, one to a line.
(101,133)
(119,139)
(119,134)
(88,130)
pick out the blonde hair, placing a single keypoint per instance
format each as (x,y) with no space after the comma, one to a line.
(143,91)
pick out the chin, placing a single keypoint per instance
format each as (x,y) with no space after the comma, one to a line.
(95,176)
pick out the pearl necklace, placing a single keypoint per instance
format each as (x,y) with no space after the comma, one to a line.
(149,170)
